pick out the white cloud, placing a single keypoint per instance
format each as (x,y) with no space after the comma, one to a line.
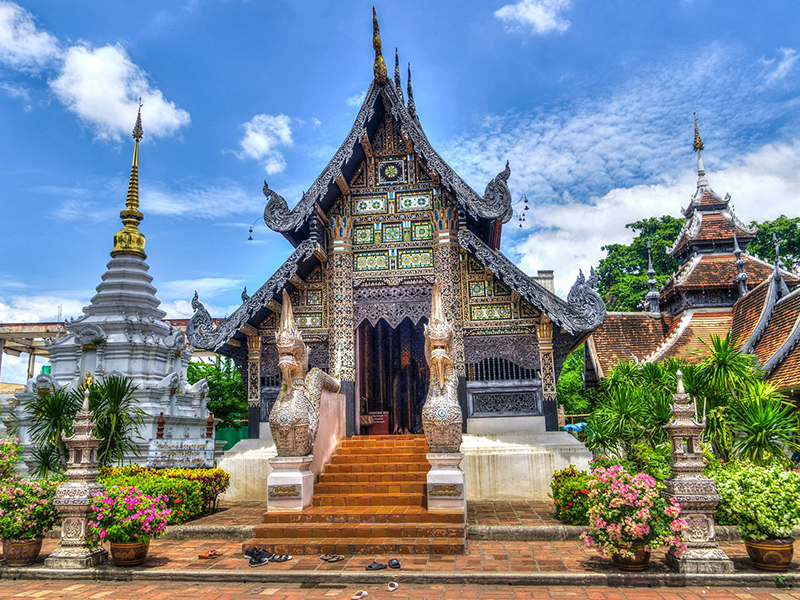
(204,286)
(213,201)
(539,16)
(182,309)
(44,307)
(263,136)
(22,44)
(356,100)
(102,86)
(778,72)
(15,368)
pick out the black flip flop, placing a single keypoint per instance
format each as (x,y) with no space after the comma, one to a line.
(376,566)
(394,563)
(282,558)
(327,557)
(336,558)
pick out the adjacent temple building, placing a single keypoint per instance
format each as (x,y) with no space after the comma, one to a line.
(385,219)
(717,289)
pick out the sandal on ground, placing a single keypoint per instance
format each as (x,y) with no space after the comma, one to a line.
(327,557)
(281,558)
(359,595)
(393,585)
(336,558)
(376,566)
(259,561)
(211,554)
(394,563)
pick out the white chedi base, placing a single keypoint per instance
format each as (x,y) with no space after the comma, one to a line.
(446,484)
(290,485)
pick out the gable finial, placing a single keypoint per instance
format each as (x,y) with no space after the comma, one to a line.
(652,295)
(783,289)
(379,68)
(129,240)
(698,147)
(397,83)
(698,143)
(412,107)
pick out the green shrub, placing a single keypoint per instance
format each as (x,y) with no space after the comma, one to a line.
(762,501)
(570,493)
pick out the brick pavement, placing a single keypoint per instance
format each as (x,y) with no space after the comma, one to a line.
(200,591)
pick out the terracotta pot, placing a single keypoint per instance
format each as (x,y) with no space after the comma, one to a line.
(129,554)
(20,553)
(633,562)
(771,554)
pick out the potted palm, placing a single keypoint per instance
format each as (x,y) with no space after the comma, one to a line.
(762,501)
(128,519)
(27,512)
(630,518)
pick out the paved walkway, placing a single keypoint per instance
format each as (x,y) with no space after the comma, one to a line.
(181,591)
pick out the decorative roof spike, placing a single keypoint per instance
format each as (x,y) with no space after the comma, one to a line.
(740,279)
(652,295)
(783,289)
(379,68)
(397,83)
(129,240)
(698,147)
(412,107)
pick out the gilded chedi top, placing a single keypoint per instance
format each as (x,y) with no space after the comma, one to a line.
(129,240)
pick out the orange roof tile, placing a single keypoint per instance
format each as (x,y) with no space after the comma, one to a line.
(624,336)
(787,374)
(781,324)
(689,346)
(747,311)
(718,270)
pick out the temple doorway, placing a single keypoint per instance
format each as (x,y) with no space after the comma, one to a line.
(391,377)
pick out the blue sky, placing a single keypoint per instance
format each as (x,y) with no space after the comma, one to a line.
(590,101)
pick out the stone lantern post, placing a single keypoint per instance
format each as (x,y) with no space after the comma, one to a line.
(74,497)
(696,493)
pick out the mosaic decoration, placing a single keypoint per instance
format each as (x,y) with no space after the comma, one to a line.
(477,289)
(500,288)
(309,320)
(490,312)
(448,276)
(314,297)
(414,259)
(341,330)
(414,203)
(363,234)
(421,230)
(391,171)
(372,261)
(392,232)
(373,205)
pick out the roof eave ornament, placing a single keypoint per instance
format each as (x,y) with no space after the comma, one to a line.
(740,279)
(129,240)
(412,107)
(379,68)
(398,84)
(783,289)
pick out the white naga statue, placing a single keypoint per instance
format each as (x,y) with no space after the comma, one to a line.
(294,418)
(441,415)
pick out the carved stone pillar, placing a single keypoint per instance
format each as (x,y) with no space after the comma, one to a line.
(340,324)
(74,497)
(253,381)
(446,257)
(549,402)
(696,493)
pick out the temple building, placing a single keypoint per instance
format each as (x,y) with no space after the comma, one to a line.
(385,219)
(718,288)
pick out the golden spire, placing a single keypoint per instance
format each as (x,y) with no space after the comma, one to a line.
(129,240)
(698,143)
(379,69)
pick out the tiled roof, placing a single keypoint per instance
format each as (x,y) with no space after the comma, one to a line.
(689,346)
(623,336)
(711,226)
(787,374)
(718,270)
(781,325)
(747,311)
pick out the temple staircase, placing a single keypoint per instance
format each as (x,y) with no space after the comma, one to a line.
(369,500)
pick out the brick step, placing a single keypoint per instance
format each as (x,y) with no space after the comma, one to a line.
(343,488)
(358,530)
(365,500)
(416,467)
(408,477)
(379,459)
(376,514)
(389,450)
(393,439)
(378,546)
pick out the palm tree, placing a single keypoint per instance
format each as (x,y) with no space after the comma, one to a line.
(51,417)
(117,417)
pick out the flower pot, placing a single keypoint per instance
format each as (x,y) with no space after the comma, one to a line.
(771,554)
(633,562)
(129,554)
(20,553)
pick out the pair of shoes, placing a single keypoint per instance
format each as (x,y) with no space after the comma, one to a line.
(281,558)
(251,552)
(211,554)
(258,557)
(332,557)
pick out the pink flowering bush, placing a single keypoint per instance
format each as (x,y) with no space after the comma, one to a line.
(125,514)
(10,452)
(628,513)
(26,508)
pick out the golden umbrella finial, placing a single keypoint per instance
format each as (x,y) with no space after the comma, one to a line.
(379,68)
(129,240)
(698,143)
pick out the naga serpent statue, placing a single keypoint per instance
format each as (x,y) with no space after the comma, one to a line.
(295,415)
(441,415)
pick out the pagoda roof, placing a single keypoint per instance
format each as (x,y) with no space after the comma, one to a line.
(485,214)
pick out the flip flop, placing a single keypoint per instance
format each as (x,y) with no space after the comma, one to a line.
(359,595)
(394,563)
(336,558)
(327,557)
(282,558)
(211,554)
(393,585)
(376,566)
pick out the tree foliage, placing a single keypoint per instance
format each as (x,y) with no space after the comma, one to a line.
(787,231)
(623,272)
(571,394)
(227,395)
